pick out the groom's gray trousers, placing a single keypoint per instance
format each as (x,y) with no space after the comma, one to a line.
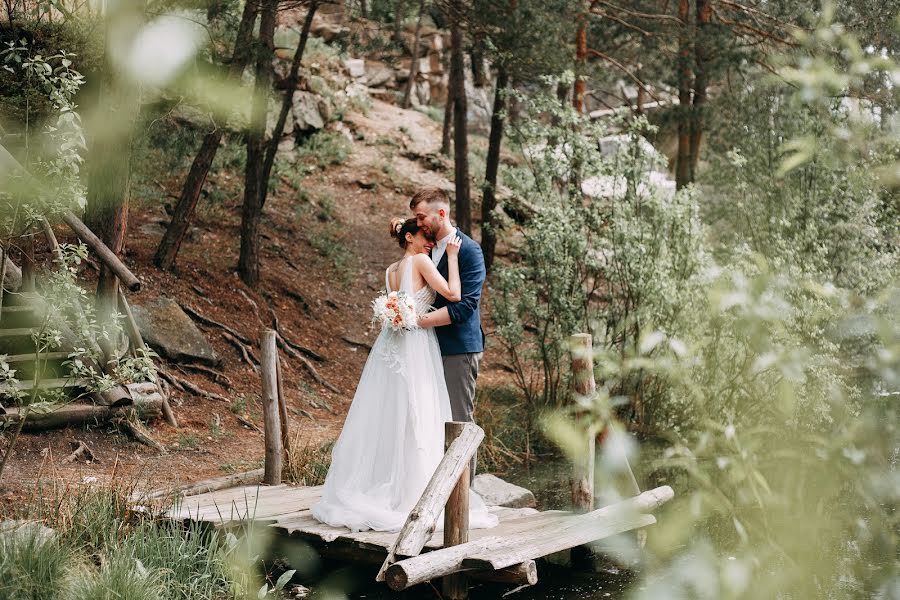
(460,372)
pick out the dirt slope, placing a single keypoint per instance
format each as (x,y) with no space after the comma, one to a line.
(325,242)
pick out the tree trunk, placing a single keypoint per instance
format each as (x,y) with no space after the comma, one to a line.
(248,263)
(399,10)
(110,127)
(286,104)
(683,160)
(701,54)
(580,86)
(489,199)
(193,184)
(460,131)
(447,130)
(414,66)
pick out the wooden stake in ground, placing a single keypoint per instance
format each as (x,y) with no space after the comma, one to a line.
(282,410)
(456,519)
(269,370)
(582,481)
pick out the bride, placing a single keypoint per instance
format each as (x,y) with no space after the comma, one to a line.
(393,438)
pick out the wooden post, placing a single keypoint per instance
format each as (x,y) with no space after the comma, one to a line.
(28,267)
(282,410)
(456,519)
(583,464)
(269,369)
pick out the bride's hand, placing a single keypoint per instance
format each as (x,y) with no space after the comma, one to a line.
(454,245)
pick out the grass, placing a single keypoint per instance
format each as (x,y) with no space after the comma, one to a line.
(307,464)
(100,549)
(500,412)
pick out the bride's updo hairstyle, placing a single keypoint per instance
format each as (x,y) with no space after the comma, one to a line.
(399,229)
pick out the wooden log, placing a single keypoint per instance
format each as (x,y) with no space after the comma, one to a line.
(555,535)
(72,415)
(272,429)
(107,256)
(203,487)
(582,481)
(137,341)
(456,519)
(282,410)
(28,264)
(421,521)
(521,574)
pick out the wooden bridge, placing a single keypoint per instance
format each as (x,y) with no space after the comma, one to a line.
(418,553)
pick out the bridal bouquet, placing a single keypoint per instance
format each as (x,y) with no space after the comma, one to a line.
(395,310)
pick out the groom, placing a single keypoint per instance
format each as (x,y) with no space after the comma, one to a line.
(457,324)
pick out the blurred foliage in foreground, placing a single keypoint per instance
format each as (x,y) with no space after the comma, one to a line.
(781,384)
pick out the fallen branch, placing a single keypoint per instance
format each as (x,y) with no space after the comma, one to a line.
(138,432)
(245,350)
(307,365)
(248,423)
(216,376)
(187,386)
(194,314)
(82,450)
(171,379)
(283,341)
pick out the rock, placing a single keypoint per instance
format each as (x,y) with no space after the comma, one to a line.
(27,530)
(13,276)
(378,74)
(355,66)
(170,332)
(328,31)
(307,116)
(496,492)
(480,105)
(192,116)
(272,119)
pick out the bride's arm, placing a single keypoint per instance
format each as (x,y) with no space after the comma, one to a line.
(452,289)
(436,318)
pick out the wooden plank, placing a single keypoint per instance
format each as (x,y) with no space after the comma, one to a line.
(30,356)
(50,384)
(421,521)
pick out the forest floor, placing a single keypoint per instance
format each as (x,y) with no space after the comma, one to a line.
(324,250)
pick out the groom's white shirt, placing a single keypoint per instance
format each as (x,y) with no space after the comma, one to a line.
(440,246)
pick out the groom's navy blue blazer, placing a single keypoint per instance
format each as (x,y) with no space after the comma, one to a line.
(464,334)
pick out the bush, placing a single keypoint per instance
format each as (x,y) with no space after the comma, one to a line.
(616,267)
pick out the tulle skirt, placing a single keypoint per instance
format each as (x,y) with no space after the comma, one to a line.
(393,438)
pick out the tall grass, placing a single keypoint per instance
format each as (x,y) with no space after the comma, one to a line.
(33,565)
(100,549)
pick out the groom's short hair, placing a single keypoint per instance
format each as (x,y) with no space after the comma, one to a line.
(431,196)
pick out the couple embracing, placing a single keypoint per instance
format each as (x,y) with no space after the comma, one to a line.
(414,380)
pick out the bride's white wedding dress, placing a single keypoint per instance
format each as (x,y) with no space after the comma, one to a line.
(393,438)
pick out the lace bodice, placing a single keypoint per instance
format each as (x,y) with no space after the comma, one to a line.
(424,297)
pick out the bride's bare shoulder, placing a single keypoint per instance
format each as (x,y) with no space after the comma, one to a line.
(421,260)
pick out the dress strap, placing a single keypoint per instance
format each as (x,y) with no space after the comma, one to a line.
(387,279)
